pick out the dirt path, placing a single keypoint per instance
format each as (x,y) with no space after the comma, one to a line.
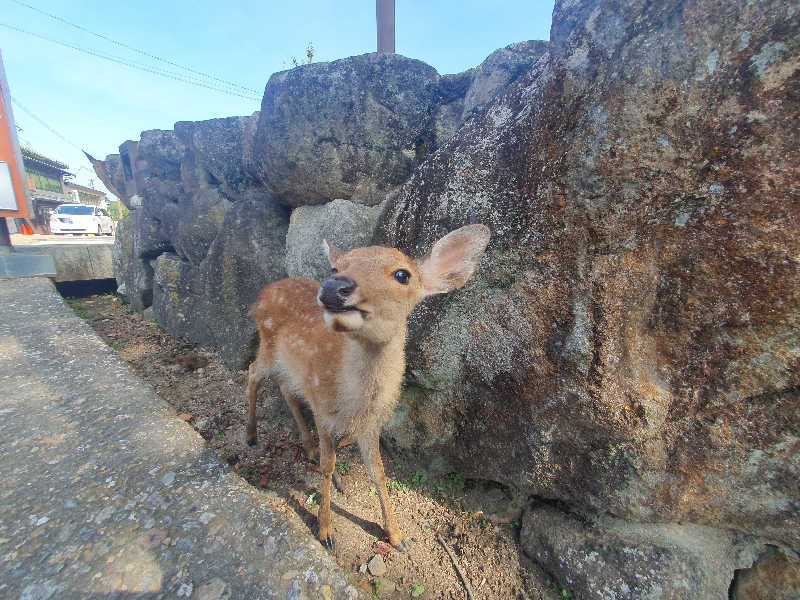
(478,522)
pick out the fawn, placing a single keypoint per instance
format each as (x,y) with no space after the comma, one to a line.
(340,346)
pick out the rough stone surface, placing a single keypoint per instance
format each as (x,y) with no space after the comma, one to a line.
(198,206)
(107,494)
(775,576)
(353,128)
(207,195)
(343,223)
(209,302)
(136,244)
(356,128)
(630,342)
(500,69)
(606,558)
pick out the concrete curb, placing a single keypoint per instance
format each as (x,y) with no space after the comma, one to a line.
(108,495)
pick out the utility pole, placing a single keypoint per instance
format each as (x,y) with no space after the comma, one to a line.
(384,15)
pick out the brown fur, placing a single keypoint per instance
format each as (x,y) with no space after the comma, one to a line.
(350,372)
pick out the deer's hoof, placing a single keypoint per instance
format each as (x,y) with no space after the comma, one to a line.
(327,542)
(400,546)
(251,442)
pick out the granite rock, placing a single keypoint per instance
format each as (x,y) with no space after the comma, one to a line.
(630,341)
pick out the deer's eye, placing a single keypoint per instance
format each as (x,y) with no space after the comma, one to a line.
(334,270)
(402,276)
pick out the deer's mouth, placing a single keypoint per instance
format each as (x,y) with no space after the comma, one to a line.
(344,309)
(344,318)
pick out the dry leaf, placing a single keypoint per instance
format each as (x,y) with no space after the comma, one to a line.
(382,548)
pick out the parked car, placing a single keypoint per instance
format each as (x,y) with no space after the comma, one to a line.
(81,218)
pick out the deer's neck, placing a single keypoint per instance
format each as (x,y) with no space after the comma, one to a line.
(373,381)
(375,363)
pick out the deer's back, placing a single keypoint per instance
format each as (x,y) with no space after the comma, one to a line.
(302,351)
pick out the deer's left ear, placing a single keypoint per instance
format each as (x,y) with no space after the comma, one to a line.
(453,259)
(331,252)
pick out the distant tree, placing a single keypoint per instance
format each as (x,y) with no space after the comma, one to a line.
(117,210)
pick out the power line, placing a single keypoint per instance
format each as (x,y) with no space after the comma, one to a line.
(142,52)
(43,124)
(146,69)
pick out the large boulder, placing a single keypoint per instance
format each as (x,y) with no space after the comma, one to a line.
(630,342)
(209,302)
(353,128)
(137,242)
(774,576)
(600,557)
(356,128)
(343,223)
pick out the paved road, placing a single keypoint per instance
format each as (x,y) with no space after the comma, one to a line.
(37,239)
(106,494)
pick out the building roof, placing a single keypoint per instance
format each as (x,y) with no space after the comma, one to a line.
(42,160)
(81,188)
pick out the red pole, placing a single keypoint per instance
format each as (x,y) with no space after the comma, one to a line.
(384,15)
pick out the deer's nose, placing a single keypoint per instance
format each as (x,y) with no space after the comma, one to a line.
(335,292)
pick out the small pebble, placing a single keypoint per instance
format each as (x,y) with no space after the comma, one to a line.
(216,589)
(385,586)
(376,566)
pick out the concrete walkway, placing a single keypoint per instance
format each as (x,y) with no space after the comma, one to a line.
(106,494)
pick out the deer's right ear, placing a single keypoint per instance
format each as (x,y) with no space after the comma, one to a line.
(331,252)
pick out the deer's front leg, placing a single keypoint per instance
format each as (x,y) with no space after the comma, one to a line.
(371,455)
(327,462)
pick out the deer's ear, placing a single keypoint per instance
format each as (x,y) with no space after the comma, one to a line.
(453,259)
(331,252)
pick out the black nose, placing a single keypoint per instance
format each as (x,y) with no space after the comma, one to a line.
(335,292)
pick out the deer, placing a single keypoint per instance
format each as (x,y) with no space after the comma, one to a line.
(340,347)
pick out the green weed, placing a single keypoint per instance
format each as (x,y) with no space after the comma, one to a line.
(418,478)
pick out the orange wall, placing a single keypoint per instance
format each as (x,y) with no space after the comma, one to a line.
(9,150)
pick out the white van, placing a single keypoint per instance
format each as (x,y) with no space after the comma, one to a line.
(80,218)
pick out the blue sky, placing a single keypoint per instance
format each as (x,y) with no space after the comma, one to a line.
(96,104)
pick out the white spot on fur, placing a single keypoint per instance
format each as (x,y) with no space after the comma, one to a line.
(268,323)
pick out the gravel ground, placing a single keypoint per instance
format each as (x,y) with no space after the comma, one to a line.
(478,521)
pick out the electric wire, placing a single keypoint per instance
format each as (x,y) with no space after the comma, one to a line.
(140,67)
(137,50)
(43,124)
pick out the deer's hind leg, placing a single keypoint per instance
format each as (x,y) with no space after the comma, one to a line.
(293,400)
(259,369)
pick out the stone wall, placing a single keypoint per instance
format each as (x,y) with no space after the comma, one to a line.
(627,354)
(211,200)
